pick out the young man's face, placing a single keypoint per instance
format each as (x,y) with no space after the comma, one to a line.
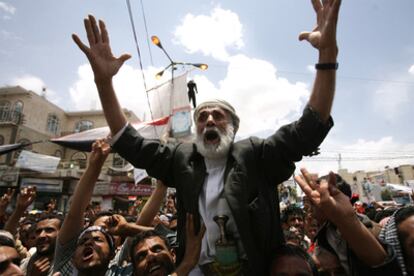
(93,251)
(296,221)
(152,257)
(406,233)
(46,234)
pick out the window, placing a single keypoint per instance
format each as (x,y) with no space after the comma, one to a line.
(79,158)
(17,112)
(4,110)
(52,124)
(83,125)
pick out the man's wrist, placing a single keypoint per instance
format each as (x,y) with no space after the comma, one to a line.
(328,55)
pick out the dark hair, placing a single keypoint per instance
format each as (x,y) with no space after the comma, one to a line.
(102,214)
(403,214)
(383,214)
(341,184)
(292,210)
(45,216)
(6,239)
(143,236)
(295,251)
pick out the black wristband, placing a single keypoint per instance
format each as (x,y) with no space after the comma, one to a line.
(326,66)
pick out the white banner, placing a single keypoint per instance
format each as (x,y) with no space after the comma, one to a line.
(169,96)
(37,162)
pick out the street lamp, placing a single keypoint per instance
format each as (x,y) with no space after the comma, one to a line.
(172,64)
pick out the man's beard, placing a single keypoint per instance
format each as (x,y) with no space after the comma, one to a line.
(219,150)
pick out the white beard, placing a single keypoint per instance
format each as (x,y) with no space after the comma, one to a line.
(219,150)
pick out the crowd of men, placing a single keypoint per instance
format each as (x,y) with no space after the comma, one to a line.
(143,241)
(225,217)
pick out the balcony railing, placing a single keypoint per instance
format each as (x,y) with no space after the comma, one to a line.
(11,117)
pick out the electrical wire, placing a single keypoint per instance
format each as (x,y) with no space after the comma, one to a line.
(139,54)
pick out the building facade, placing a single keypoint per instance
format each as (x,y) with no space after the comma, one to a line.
(26,117)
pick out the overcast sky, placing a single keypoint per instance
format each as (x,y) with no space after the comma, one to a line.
(255,61)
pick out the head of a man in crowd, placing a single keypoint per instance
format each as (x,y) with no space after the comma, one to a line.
(216,123)
(47,229)
(292,260)
(101,218)
(94,250)
(293,216)
(26,228)
(9,257)
(151,254)
(404,220)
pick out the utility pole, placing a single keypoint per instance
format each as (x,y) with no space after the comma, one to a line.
(339,161)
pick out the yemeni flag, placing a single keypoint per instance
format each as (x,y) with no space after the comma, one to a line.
(83,141)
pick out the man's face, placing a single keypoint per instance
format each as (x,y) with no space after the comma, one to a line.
(290,266)
(9,261)
(215,132)
(406,232)
(210,122)
(92,251)
(152,257)
(296,221)
(46,234)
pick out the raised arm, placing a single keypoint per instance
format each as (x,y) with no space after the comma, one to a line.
(337,208)
(152,206)
(73,223)
(4,202)
(323,38)
(24,199)
(104,66)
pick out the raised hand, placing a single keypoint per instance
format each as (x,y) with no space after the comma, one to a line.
(6,198)
(40,267)
(323,36)
(99,153)
(116,225)
(26,197)
(104,64)
(325,196)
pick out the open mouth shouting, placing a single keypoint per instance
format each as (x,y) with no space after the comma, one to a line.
(87,254)
(154,269)
(211,136)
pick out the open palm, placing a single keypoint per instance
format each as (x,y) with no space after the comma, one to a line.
(104,64)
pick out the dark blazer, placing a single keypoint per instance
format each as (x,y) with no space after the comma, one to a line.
(254,168)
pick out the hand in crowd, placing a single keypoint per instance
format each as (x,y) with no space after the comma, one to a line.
(52,205)
(40,267)
(26,197)
(323,36)
(6,198)
(99,53)
(325,196)
(99,153)
(116,225)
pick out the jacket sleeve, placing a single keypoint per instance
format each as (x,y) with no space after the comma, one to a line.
(291,142)
(149,154)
